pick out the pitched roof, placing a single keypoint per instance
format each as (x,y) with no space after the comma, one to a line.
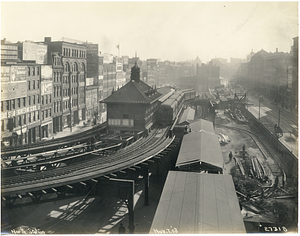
(133,92)
(187,116)
(194,203)
(201,124)
(198,147)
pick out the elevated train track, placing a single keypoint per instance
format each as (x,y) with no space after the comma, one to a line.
(48,145)
(129,157)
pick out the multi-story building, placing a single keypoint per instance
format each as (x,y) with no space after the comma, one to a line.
(21,94)
(46,101)
(9,52)
(73,79)
(20,104)
(57,98)
(152,72)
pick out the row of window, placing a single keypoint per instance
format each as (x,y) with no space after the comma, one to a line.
(46,99)
(46,113)
(57,76)
(20,120)
(32,84)
(57,91)
(121,122)
(74,53)
(33,71)
(17,103)
(8,57)
(57,106)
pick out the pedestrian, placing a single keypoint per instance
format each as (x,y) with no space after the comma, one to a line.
(121,229)
(230,156)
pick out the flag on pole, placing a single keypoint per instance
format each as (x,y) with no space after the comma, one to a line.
(118,46)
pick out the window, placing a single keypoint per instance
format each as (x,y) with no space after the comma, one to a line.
(46,99)
(46,113)
(13,104)
(28,85)
(2,106)
(37,71)
(20,120)
(24,102)
(38,98)
(29,117)
(33,98)
(2,125)
(49,112)
(38,84)
(29,100)
(42,115)
(42,100)
(28,70)
(19,102)
(33,84)
(24,119)
(33,115)
(49,98)
(7,105)
(33,70)
(38,115)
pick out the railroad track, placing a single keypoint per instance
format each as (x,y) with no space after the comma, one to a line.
(271,161)
(52,144)
(95,167)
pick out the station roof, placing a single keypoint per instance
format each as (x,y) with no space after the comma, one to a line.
(187,116)
(198,147)
(134,92)
(194,203)
(201,124)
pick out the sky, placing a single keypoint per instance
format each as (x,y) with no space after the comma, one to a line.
(171,30)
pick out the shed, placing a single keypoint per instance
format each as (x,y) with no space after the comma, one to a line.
(194,203)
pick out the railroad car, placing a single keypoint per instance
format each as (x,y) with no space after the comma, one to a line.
(169,109)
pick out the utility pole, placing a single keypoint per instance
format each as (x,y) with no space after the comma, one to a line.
(279,117)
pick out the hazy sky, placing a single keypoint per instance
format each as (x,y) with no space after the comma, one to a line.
(175,31)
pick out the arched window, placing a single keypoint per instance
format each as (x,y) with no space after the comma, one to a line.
(83,67)
(67,67)
(75,67)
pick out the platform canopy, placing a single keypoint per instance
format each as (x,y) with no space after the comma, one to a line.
(187,117)
(200,124)
(200,148)
(194,203)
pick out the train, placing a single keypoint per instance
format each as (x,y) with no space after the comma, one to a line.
(171,106)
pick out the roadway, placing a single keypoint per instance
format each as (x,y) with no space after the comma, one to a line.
(269,116)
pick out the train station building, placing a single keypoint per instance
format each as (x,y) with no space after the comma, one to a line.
(131,108)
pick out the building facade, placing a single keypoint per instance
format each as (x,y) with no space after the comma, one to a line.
(73,79)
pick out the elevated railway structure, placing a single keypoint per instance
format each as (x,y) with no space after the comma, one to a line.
(53,144)
(90,167)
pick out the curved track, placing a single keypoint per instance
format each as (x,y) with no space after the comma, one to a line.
(53,143)
(136,153)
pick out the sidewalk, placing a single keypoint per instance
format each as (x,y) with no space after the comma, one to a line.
(67,131)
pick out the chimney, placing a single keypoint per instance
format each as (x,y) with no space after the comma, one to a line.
(47,39)
(276,49)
